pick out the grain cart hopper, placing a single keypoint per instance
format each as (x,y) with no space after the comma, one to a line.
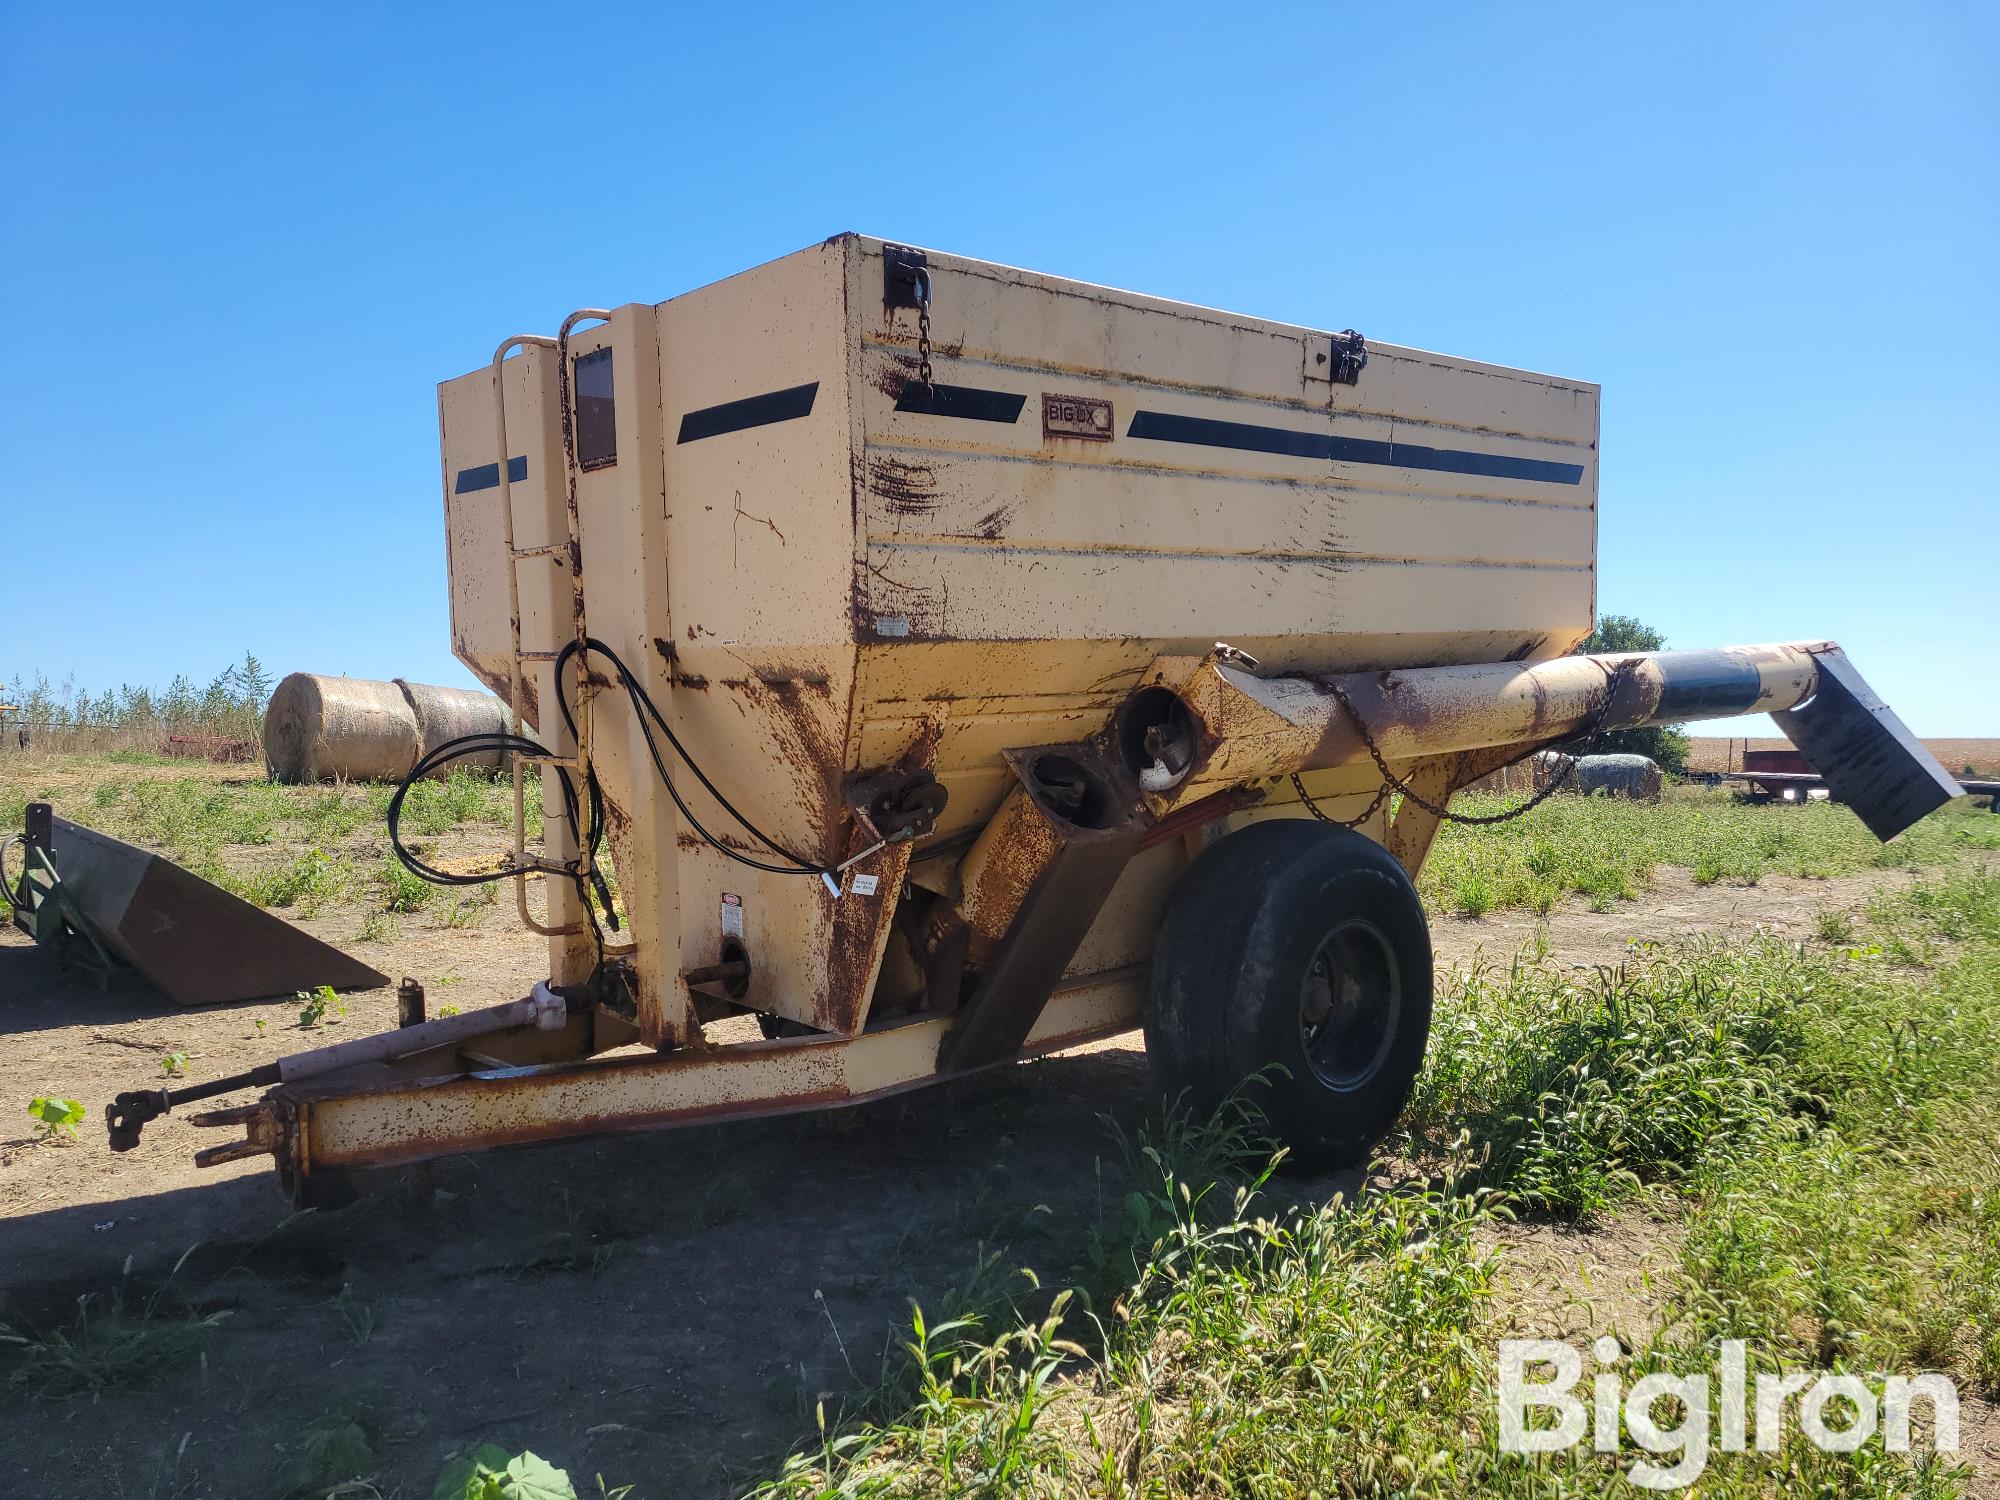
(956,663)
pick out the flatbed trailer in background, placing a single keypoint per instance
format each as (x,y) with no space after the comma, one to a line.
(1796,786)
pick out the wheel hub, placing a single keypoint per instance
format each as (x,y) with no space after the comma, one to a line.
(1349,1003)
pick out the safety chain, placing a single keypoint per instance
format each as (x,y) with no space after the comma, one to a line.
(922,281)
(1391,782)
(1381,796)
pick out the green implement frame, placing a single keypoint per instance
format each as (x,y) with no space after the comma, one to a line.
(101,904)
(43,907)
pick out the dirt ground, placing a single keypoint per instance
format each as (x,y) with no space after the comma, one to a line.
(664,1309)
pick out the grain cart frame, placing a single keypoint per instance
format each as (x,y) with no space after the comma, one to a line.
(867,607)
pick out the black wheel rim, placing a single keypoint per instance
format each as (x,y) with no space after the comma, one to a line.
(1349,1004)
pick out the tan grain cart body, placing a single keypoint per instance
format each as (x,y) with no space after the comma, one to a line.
(848,562)
(817,584)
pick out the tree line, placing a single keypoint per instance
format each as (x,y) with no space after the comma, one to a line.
(230,704)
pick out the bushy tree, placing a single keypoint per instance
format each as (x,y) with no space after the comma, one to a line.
(1664,744)
(253,684)
(231,704)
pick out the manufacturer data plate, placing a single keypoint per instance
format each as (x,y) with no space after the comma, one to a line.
(1076,417)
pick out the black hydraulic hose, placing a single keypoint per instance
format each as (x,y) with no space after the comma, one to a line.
(643,701)
(586,815)
(444,754)
(489,740)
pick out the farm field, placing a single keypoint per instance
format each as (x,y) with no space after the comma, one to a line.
(1700,1070)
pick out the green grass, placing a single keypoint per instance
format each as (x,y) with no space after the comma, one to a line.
(109,1343)
(1605,851)
(400,888)
(1597,849)
(1578,1089)
(305,884)
(1822,1121)
(1818,1119)
(216,827)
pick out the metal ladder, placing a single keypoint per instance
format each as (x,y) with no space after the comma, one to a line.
(570,547)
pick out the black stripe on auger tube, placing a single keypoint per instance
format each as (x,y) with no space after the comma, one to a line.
(1163,427)
(487,476)
(968,402)
(1705,685)
(751,411)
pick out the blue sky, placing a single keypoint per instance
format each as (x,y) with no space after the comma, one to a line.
(239,245)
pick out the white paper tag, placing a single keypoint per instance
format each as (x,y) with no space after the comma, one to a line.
(865,885)
(732,915)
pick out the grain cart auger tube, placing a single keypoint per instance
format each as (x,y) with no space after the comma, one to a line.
(864,608)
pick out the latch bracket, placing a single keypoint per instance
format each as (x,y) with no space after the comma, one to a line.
(903,271)
(1349,357)
(1333,359)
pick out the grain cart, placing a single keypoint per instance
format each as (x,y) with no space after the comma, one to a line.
(956,663)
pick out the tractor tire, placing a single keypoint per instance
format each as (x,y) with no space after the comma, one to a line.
(1301,945)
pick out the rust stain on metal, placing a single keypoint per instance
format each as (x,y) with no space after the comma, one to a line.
(858,926)
(617,822)
(669,1001)
(815,681)
(1195,815)
(921,752)
(1002,865)
(1340,742)
(907,489)
(500,683)
(1541,715)
(898,370)
(860,616)
(919,612)
(418,1148)
(693,844)
(807,744)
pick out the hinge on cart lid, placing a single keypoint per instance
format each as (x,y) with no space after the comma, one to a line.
(900,268)
(1347,357)
(1339,360)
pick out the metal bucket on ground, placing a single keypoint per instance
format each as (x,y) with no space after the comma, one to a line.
(89,895)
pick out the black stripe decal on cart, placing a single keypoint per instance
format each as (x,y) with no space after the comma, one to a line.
(1163,427)
(487,476)
(967,402)
(751,411)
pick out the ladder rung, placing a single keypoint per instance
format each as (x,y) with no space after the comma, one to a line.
(536,655)
(553,549)
(568,762)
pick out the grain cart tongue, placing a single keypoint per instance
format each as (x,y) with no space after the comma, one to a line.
(99,903)
(864,610)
